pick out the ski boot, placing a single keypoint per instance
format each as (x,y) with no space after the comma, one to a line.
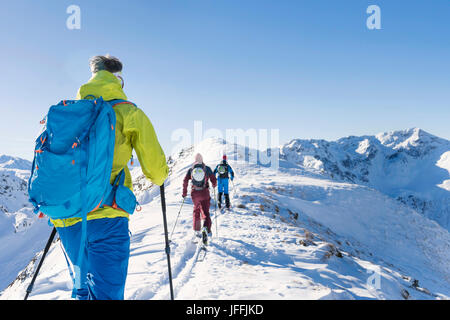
(227,202)
(205,236)
(219,202)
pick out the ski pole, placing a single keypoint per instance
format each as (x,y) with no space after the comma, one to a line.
(163,205)
(47,247)
(234,189)
(215,211)
(176,220)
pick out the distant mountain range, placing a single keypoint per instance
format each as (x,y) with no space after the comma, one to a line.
(411,166)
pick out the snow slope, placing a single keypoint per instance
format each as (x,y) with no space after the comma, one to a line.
(293,234)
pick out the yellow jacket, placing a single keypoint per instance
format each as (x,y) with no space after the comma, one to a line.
(133,131)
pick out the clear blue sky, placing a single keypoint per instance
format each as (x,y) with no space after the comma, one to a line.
(309,68)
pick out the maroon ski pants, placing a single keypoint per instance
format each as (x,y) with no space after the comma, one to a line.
(201,200)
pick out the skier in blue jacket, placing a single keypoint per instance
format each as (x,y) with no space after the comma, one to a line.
(224,173)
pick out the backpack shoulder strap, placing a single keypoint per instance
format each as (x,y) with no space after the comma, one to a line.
(205,168)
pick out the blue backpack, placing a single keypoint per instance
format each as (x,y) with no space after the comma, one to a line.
(71,171)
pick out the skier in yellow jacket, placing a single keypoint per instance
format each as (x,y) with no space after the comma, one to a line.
(108,240)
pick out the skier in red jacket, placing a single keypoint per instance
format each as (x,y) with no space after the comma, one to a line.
(199,175)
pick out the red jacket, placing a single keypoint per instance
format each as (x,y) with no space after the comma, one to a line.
(209,177)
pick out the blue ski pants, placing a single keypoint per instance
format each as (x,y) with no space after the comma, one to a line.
(105,260)
(222,185)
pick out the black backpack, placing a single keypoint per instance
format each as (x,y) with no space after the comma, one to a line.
(222,169)
(199,176)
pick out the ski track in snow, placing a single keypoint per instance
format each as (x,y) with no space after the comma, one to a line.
(182,267)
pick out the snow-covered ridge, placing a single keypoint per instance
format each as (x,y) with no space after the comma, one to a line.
(294,233)
(9,162)
(410,139)
(411,166)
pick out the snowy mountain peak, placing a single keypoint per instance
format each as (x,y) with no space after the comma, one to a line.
(414,138)
(9,162)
